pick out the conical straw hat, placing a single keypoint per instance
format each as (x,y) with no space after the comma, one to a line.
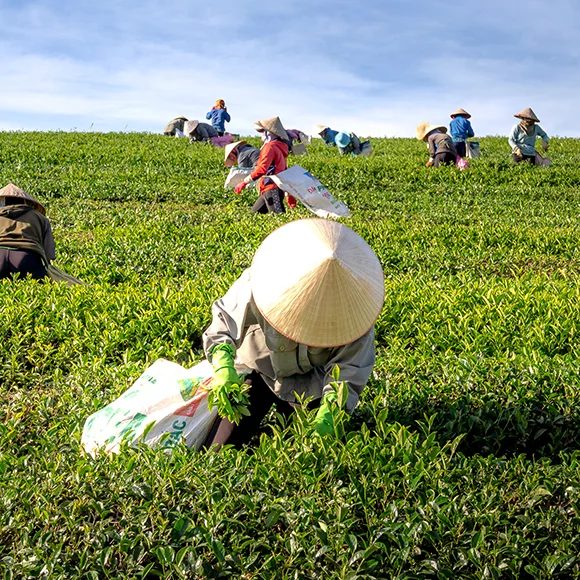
(12,190)
(317,282)
(228,150)
(321,128)
(190,126)
(273,125)
(424,128)
(527,113)
(460,111)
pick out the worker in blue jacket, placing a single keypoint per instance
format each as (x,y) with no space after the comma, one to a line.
(344,142)
(460,130)
(219,116)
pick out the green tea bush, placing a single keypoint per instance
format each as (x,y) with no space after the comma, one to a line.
(462,458)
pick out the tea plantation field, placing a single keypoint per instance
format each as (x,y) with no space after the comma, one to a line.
(462,459)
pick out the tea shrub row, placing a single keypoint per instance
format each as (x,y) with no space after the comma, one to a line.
(462,458)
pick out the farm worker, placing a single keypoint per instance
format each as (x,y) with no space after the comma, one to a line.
(439,144)
(523,137)
(175,127)
(242,158)
(271,160)
(460,130)
(298,141)
(344,142)
(327,134)
(219,116)
(308,302)
(241,154)
(197,131)
(26,241)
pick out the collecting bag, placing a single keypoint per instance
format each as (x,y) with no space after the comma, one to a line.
(165,405)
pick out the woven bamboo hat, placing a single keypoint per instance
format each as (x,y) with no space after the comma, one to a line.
(12,190)
(460,111)
(228,150)
(527,113)
(423,129)
(190,126)
(274,126)
(317,282)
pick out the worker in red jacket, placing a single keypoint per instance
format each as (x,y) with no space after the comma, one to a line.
(272,160)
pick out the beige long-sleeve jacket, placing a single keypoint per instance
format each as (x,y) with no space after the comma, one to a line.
(286,366)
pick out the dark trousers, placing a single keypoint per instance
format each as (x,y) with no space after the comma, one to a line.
(271,201)
(460,148)
(527,158)
(444,158)
(19,263)
(261,401)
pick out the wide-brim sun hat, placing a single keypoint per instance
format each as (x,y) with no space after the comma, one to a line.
(272,125)
(423,130)
(460,111)
(321,128)
(528,114)
(318,283)
(342,139)
(229,148)
(12,190)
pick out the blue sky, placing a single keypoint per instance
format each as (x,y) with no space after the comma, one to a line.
(373,67)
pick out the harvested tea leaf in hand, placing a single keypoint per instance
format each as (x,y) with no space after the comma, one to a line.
(231,401)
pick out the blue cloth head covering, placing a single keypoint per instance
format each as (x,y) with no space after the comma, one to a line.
(342,139)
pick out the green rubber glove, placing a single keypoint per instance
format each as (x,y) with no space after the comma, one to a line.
(324,420)
(229,392)
(222,361)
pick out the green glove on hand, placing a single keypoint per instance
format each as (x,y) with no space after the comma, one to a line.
(229,392)
(222,361)
(325,417)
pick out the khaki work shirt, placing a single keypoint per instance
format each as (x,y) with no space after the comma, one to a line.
(286,366)
(439,143)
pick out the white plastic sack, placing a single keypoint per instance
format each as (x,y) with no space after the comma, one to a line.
(298,182)
(298,149)
(366,149)
(541,160)
(166,404)
(472,149)
(235,176)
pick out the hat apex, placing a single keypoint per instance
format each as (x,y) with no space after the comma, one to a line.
(274,126)
(229,148)
(424,128)
(12,190)
(324,289)
(527,113)
(460,111)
